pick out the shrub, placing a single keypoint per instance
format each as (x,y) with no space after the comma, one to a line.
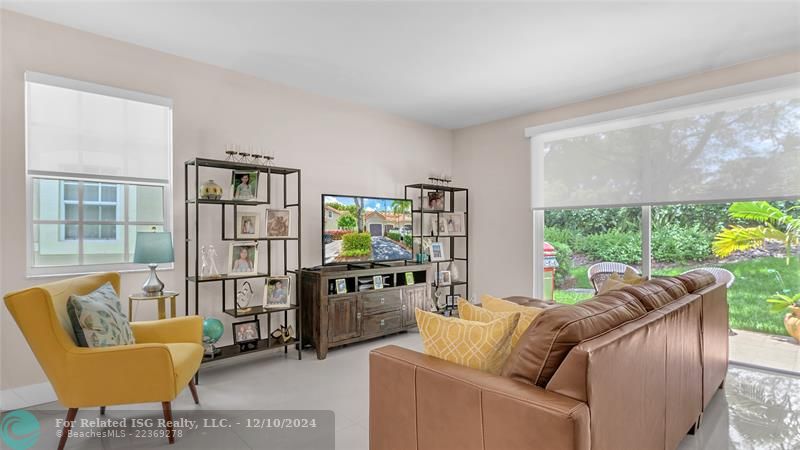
(618,246)
(394,235)
(564,258)
(346,222)
(408,240)
(336,235)
(673,243)
(356,244)
(561,235)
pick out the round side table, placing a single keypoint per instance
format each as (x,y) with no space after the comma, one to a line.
(161,298)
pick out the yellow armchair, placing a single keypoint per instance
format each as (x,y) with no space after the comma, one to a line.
(161,364)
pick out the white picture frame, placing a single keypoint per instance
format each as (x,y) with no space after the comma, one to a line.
(277,292)
(445,278)
(437,252)
(434,201)
(377,282)
(279,223)
(452,224)
(247,224)
(240,263)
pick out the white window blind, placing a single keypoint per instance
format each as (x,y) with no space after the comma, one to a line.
(87,130)
(735,147)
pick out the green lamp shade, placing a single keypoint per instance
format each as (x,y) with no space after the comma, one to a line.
(153,247)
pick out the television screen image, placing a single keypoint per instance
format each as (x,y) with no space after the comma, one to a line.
(365,229)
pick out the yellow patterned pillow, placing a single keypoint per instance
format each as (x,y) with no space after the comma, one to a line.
(480,345)
(526,313)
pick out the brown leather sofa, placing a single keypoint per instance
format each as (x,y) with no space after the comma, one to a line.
(631,369)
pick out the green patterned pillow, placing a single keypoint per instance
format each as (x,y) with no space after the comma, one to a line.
(98,320)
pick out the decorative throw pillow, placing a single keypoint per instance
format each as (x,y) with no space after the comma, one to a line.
(614,282)
(526,313)
(480,345)
(98,320)
(631,277)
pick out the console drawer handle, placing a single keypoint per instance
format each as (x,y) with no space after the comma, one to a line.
(358,316)
(382,300)
(382,322)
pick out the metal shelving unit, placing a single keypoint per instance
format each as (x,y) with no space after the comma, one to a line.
(192,248)
(418,192)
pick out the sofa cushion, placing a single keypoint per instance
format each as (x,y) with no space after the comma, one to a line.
(526,313)
(696,280)
(651,296)
(545,344)
(479,345)
(673,286)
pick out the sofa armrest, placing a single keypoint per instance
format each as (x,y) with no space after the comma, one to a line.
(167,331)
(421,402)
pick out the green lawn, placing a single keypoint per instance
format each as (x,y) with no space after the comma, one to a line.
(756,279)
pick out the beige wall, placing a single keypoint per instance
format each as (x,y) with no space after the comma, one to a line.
(493,160)
(341,147)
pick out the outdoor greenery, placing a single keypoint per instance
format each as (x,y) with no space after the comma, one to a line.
(346,222)
(564,259)
(356,244)
(398,237)
(771,223)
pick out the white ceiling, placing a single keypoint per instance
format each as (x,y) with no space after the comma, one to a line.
(448,64)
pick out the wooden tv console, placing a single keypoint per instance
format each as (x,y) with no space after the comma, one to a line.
(331,319)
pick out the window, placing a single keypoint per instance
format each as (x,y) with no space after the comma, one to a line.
(99,165)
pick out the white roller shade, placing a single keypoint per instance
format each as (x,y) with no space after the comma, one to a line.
(737,147)
(89,130)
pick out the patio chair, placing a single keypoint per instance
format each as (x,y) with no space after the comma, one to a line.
(600,272)
(720,274)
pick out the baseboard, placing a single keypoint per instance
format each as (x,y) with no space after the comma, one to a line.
(26,396)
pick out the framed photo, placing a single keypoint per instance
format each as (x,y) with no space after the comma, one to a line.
(437,251)
(244,332)
(435,201)
(409,278)
(432,225)
(247,224)
(244,184)
(278,221)
(243,258)
(377,282)
(341,286)
(452,224)
(444,278)
(278,292)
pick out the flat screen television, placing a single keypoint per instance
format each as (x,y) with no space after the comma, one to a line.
(359,229)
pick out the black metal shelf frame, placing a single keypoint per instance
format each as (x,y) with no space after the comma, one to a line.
(450,194)
(192,244)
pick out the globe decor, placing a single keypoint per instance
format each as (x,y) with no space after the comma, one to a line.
(19,430)
(212,332)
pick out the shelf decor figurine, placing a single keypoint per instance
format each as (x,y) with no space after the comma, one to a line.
(210,191)
(243,297)
(153,248)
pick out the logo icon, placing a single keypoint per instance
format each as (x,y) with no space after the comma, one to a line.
(19,429)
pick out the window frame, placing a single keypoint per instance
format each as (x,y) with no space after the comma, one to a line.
(167,186)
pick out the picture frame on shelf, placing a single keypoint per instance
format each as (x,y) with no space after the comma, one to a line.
(432,225)
(452,224)
(277,292)
(444,278)
(341,286)
(243,258)
(377,282)
(247,333)
(435,201)
(437,252)
(278,223)
(247,224)
(409,278)
(244,185)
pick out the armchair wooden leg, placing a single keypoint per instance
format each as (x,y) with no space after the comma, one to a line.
(71,413)
(193,388)
(167,407)
(102,410)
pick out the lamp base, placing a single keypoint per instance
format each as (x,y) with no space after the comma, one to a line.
(153,286)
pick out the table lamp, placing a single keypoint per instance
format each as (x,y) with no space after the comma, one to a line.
(153,248)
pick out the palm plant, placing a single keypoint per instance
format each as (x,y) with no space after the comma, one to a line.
(773,224)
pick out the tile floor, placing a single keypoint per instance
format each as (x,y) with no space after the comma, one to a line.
(756,410)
